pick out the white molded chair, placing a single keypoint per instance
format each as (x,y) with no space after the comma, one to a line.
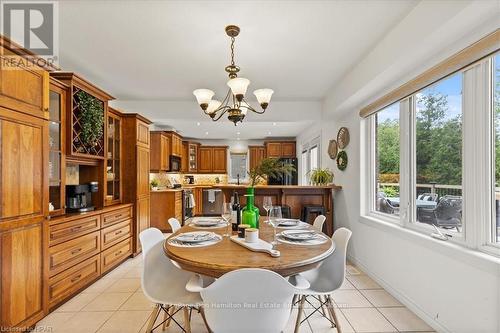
(318,223)
(174,224)
(233,303)
(165,284)
(325,279)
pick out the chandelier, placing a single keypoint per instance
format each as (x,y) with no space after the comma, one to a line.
(234,104)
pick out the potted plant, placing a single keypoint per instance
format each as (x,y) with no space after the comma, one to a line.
(154,184)
(267,167)
(321,177)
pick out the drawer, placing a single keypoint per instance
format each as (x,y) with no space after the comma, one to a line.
(68,282)
(115,254)
(65,231)
(67,254)
(115,233)
(116,216)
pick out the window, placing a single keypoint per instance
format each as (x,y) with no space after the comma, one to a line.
(310,159)
(496,122)
(438,154)
(238,165)
(387,160)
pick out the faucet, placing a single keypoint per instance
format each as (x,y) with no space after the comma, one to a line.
(238,177)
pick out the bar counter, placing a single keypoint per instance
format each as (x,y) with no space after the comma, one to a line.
(295,196)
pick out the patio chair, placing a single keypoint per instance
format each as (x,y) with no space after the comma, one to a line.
(428,197)
(447,214)
(384,206)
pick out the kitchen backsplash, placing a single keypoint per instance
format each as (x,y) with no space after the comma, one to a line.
(167,179)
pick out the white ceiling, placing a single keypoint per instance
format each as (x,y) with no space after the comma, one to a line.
(163,50)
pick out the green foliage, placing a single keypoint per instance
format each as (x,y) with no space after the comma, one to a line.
(92,118)
(388,146)
(390,191)
(154,183)
(321,176)
(270,167)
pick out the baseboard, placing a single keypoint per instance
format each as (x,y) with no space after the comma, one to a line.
(405,300)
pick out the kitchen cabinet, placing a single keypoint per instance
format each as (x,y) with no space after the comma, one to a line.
(164,205)
(280,149)
(24,188)
(213,159)
(136,168)
(77,147)
(193,157)
(257,154)
(185,157)
(113,186)
(176,144)
(80,249)
(198,199)
(57,147)
(160,152)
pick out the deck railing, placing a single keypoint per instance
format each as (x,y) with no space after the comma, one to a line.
(440,189)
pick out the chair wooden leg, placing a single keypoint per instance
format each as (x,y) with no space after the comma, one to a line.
(152,318)
(202,313)
(333,314)
(322,306)
(299,314)
(166,317)
(187,322)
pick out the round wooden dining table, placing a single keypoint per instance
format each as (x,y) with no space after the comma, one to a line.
(225,256)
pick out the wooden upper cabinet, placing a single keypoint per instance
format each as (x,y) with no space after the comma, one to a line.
(24,87)
(206,160)
(288,149)
(274,149)
(142,134)
(82,91)
(176,141)
(113,175)
(257,154)
(212,159)
(279,149)
(193,158)
(219,160)
(23,151)
(185,157)
(160,151)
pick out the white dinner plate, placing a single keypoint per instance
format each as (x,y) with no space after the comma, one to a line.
(288,222)
(299,234)
(195,237)
(207,223)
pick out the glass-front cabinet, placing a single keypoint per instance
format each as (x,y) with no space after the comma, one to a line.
(113,158)
(56,168)
(193,157)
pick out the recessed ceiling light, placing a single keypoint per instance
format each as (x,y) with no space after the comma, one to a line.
(206,133)
(274,124)
(238,133)
(268,133)
(238,139)
(198,124)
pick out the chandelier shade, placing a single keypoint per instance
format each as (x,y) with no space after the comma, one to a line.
(234,104)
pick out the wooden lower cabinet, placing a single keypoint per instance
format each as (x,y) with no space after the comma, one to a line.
(80,248)
(113,256)
(21,266)
(73,279)
(164,205)
(142,218)
(198,199)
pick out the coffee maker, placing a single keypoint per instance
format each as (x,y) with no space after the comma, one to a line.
(79,197)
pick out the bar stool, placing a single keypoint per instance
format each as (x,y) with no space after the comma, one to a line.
(309,210)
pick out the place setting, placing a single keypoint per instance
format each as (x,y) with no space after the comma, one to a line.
(208,222)
(301,237)
(195,239)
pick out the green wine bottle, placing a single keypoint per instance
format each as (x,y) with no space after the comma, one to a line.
(251,213)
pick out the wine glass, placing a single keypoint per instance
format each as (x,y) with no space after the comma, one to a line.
(274,219)
(267,204)
(227,210)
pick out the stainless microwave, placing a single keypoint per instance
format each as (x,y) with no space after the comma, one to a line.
(175,163)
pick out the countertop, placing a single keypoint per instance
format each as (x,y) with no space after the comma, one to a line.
(234,186)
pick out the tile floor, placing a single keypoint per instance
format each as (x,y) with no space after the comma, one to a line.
(115,303)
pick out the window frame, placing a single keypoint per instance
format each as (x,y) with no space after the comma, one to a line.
(245,178)
(306,148)
(479,215)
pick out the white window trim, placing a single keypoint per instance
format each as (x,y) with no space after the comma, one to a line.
(245,178)
(477,165)
(306,147)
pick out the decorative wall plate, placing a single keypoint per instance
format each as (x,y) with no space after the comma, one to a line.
(342,160)
(333,149)
(343,137)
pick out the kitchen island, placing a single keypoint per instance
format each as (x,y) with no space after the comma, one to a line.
(294,196)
